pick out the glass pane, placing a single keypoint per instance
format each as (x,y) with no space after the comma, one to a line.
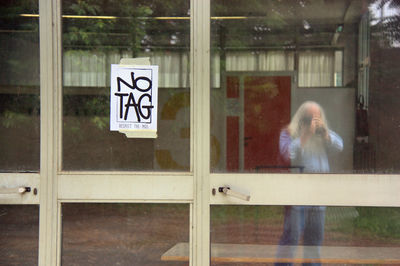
(270,57)
(19,86)
(98,34)
(305,234)
(123,234)
(19,235)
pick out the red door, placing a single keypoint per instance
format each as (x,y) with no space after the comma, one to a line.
(266,112)
(267,101)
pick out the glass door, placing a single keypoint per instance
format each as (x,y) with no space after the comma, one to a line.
(277,125)
(122,200)
(303,127)
(19,133)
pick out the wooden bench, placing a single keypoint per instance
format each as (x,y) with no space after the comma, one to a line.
(244,253)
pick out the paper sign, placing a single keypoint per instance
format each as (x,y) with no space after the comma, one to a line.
(133,100)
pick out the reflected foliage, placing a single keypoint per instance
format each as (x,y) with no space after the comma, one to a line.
(98,33)
(97,108)
(359,226)
(380,222)
(389,20)
(272,24)
(126,24)
(19,42)
(19,85)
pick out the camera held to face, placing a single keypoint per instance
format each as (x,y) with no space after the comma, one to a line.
(320,131)
(306,122)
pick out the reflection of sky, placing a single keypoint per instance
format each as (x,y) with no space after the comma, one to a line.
(381,13)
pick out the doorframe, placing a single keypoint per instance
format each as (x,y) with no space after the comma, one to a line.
(50,80)
(200,76)
(59,186)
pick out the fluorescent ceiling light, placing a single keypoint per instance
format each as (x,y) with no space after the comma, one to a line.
(114,17)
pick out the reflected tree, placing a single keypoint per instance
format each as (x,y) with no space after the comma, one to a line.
(121,26)
(387,16)
(19,62)
(125,24)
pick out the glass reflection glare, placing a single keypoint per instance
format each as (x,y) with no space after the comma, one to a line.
(98,35)
(250,234)
(19,87)
(345,61)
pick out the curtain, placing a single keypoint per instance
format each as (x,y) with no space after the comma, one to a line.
(241,61)
(91,68)
(251,61)
(173,69)
(84,68)
(276,61)
(316,69)
(260,61)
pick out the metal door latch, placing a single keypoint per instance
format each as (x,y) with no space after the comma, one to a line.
(229,192)
(18,190)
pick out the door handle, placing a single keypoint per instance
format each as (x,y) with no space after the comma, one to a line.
(246,140)
(17,190)
(229,192)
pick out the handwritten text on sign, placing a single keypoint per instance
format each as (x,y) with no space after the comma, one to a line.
(133,98)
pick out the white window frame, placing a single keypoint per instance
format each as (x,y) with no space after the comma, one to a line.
(58,186)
